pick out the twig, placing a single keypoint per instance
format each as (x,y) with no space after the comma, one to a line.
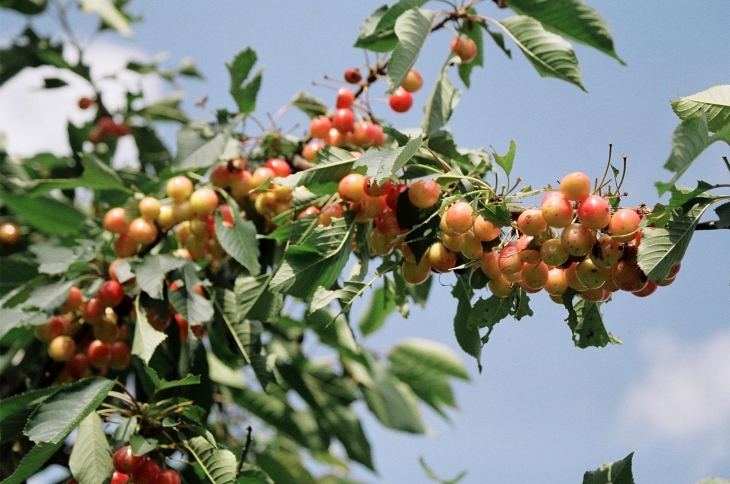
(246,447)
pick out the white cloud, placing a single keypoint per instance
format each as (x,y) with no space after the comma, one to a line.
(34,119)
(684,394)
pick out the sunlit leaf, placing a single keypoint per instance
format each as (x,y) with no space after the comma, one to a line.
(714,102)
(618,472)
(244,93)
(146,337)
(239,241)
(412,29)
(506,161)
(442,101)
(218,464)
(91,457)
(384,163)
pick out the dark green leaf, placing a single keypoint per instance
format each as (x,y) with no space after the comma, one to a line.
(29,50)
(392,402)
(586,322)
(412,28)
(570,18)
(661,214)
(218,464)
(284,467)
(377,32)
(239,69)
(239,241)
(33,460)
(96,175)
(377,312)
(53,83)
(467,336)
(152,151)
(498,38)
(162,384)
(334,164)
(432,475)
(549,53)
(197,151)
(141,445)
(46,214)
(618,472)
(309,105)
(166,109)
(195,308)
(152,271)
(27,7)
(723,214)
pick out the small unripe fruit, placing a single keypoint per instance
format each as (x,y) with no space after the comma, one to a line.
(509,260)
(485,230)
(220,176)
(553,253)
(500,287)
(459,217)
(204,201)
(149,208)
(114,221)
(413,81)
(556,210)
(464,47)
(531,222)
(61,348)
(557,283)
(577,240)
(440,258)
(179,188)
(416,273)
(575,186)
(142,231)
(424,193)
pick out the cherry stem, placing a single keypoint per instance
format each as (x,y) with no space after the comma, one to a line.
(246,448)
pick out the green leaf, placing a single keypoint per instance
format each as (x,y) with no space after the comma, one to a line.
(660,215)
(663,248)
(346,295)
(284,467)
(166,109)
(46,214)
(49,296)
(506,161)
(412,28)
(218,464)
(239,241)
(141,445)
(334,164)
(53,83)
(15,411)
(192,306)
(29,50)
(467,336)
(586,322)
(442,101)
(239,69)
(392,401)
(382,164)
(377,312)
(33,460)
(254,300)
(723,214)
(197,151)
(96,175)
(377,32)
(714,102)
(316,261)
(91,457)
(689,140)
(618,472)
(152,271)
(550,54)
(162,384)
(432,475)
(152,151)
(27,7)
(570,18)
(146,337)
(109,14)
(498,38)
(60,413)
(309,105)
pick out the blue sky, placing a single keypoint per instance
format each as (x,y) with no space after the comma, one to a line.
(542,410)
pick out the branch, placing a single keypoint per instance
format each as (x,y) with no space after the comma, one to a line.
(246,447)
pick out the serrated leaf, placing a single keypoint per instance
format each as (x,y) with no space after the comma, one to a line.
(586,322)
(15,411)
(239,241)
(195,308)
(680,195)
(239,69)
(663,248)
(219,465)
(506,161)
(91,457)
(152,271)
(254,300)
(96,175)
(549,53)
(442,101)
(346,295)
(309,105)
(377,31)
(46,214)
(382,164)
(488,312)
(689,140)
(334,164)
(435,357)
(60,413)
(570,18)
(109,14)
(197,151)
(146,337)
(412,28)
(714,102)
(141,445)
(618,472)
(49,296)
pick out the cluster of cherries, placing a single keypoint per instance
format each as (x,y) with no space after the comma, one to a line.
(134,469)
(343,129)
(536,257)
(89,336)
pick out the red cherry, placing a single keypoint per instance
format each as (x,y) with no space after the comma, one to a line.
(353,76)
(345,97)
(280,167)
(401,100)
(110,294)
(343,121)
(125,461)
(168,476)
(147,473)
(99,354)
(119,478)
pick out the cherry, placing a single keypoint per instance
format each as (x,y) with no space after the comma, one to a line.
(509,260)
(351,187)
(459,217)
(391,198)
(471,246)
(416,273)
(280,167)
(401,100)
(628,277)
(9,234)
(575,186)
(553,253)
(594,212)
(556,210)
(648,290)
(353,76)
(220,175)
(500,287)
(345,98)
(182,211)
(343,121)
(452,241)
(78,366)
(531,222)
(204,201)
(464,47)
(74,300)
(590,275)
(149,208)
(577,240)
(320,127)
(372,207)
(490,265)
(99,354)
(179,188)
(624,225)
(114,221)
(121,357)
(147,473)
(85,102)
(413,81)
(557,282)
(529,251)
(309,211)
(309,152)
(424,193)
(142,231)
(329,212)
(62,348)
(56,326)
(372,189)
(606,252)
(125,461)
(92,311)
(168,476)
(485,230)
(119,478)
(364,134)
(379,243)
(110,294)
(261,176)
(440,258)
(535,276)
